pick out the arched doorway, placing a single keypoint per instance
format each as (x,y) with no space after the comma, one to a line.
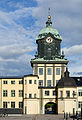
(50,108)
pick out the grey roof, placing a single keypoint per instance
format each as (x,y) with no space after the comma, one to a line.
(66,82)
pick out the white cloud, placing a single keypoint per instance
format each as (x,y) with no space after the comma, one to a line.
(74,50)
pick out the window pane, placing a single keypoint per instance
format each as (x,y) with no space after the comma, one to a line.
(54,92)
(48,82)
(4,93)
(40,71)
(20,81)
(12,104)
(30,81)
(40,82)
(12,93)
(20,93)
(35,95)
(67,93)
(30,95)
(20,104)
(5,82)
(47,93)
(13,82)
(57,71)
(4,104)
(57,82)
(61,93)
(49,71)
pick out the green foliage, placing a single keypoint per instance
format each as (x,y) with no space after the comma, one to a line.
(49,105)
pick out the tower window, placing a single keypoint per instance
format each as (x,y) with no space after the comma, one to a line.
(49,71)
(48,82)
(47,93)
(40,71)
(30,95)
(57,71)
(40,82)
(57,82)
(54,92)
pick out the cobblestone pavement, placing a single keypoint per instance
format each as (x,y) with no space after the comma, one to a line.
(34,117)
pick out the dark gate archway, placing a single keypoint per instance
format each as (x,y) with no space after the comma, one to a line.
(51,108)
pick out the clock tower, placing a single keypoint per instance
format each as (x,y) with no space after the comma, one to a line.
(49,64)
(49,42)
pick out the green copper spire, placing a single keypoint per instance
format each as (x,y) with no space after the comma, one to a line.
(49,22)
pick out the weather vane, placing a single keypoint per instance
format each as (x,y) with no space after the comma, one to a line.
(48,11)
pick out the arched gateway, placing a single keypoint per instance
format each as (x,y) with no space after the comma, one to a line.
(50,108)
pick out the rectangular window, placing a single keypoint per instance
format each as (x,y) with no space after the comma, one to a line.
(13,82)
(40,71)
(20,81)
(35,95)
(57,71)
(5,82)
(34,81)
(12,93)
(30,81)
(5,93)
(49,71)
(61,94)
(40,82)
(20,104)
(80,92)
(12,104)
(57,82)
(47,93)
(20,93)
(4,104)
(67,93)
(30,95)
(79,104)
(54,93)
(49,83)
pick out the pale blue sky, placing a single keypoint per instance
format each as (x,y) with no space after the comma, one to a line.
(22,20)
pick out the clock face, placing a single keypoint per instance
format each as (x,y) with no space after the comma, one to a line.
(49,39)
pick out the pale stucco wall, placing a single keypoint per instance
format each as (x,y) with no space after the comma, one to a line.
(66,104)
(31,104)
(10,87)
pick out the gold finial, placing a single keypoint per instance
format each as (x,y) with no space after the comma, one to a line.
(49,13)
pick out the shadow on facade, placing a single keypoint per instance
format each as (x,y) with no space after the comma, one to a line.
(51,108)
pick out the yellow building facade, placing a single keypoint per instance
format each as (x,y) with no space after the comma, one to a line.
(50,89)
